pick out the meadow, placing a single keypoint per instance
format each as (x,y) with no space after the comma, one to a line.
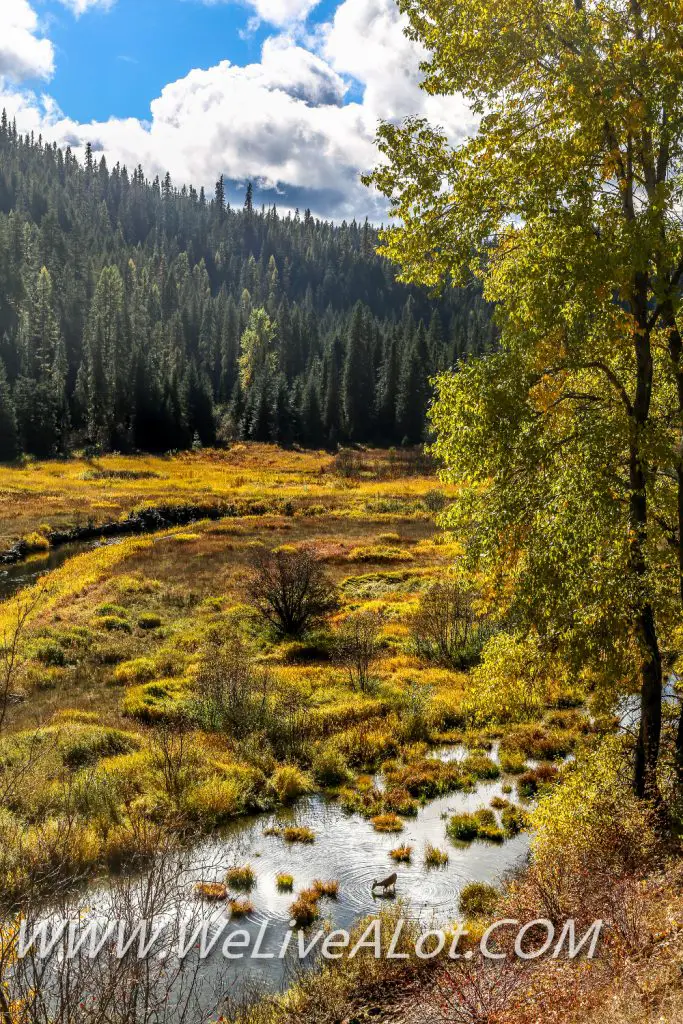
(147,697)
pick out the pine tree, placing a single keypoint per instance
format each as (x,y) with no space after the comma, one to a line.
(249,198)
(412,399)
(40,399)
(312,427)
(387,391)
(332,411)
(219,196)
(9,437)
(358,383)
(105,377)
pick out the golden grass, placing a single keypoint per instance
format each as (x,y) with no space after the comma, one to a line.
(387,823)
(434,857)
(213,892)
(241,907)
(402,854)
(329,889)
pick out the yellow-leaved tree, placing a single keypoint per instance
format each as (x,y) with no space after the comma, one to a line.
(566,203)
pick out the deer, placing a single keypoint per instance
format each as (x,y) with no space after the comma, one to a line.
(385,884)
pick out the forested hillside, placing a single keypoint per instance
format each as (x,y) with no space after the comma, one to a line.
(134,315)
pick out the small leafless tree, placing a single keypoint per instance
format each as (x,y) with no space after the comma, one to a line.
(446,628)
(358,644)
(174,757)
(291,589)
(158,988)
(22,610)
(232,691)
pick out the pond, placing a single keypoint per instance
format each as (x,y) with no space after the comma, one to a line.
(346,849)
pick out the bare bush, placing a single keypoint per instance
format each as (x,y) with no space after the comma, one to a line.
(159,988)
(447,629)
(175,758)
(11,662)
(232,691)
(470,992)
(290,589)
(358,645)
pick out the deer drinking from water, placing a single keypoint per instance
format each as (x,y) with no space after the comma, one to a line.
(386,884)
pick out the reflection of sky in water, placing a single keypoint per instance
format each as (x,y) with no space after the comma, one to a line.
(346,849)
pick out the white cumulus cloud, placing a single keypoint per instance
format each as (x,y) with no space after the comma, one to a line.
(81,6)
(285,121)
(281,13)
(24,53)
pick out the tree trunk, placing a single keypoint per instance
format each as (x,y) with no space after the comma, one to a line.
(650,731)
(676,353)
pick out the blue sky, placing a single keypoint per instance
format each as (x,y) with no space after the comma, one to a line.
(287,93)
(127,54)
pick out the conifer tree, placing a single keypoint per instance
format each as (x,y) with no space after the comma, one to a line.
(9,437)
(358,382)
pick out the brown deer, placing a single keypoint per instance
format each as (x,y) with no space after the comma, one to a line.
(385,884)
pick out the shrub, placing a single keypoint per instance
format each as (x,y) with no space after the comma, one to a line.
(214,801)
(358,646)
(139,670)
(387,823)
(149,621)
(80,747)
(241,877)
(429,778)
(462,827)
(537,742)
(289,782)
(232,692)
(511,683)
(379,554)
(512,762)
(402,854)
(593,819)
(478,899)
(165,700)
(113,623)
(291,590)
(211,891)
(330,767)
(434,857)
(480,766)
(487,826)
(529,783)
(36,542)
(284,882)
(112,609)
(401,802)
(447,629)
(480,825)
(49,652)
(514,819)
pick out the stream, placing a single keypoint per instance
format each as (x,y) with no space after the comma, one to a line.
(14,578)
